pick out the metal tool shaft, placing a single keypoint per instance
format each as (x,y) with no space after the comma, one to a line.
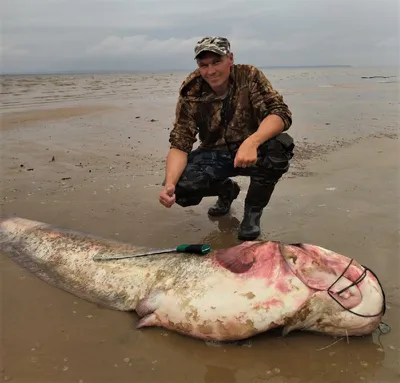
(199,249)
(102,257)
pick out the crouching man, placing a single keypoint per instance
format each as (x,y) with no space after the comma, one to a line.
(241,122)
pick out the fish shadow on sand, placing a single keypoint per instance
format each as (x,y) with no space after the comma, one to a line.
(302,356)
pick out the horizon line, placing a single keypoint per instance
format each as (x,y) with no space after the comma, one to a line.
(176,70)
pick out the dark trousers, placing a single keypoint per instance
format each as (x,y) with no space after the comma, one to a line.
(207,171)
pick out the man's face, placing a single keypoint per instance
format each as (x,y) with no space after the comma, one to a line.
(215,69)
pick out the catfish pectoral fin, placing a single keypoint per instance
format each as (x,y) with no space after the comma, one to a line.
(149,304)
(148,321)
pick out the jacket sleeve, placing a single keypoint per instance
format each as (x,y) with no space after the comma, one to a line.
(266,100)
(184,131)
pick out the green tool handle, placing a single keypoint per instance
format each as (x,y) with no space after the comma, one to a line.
(194,248)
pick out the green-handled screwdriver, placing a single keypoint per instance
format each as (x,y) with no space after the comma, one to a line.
(184,248)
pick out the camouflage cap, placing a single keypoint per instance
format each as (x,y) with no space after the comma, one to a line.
(216,44)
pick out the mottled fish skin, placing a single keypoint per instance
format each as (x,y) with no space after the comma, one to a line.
(229,294)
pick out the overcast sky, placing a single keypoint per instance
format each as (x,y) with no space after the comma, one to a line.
(59,35)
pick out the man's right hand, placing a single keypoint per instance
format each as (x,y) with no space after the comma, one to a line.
(176,162)
(167,195)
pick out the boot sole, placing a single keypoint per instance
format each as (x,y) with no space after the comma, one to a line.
(248,238)
(220,214)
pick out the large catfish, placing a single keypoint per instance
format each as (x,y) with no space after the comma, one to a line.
(229,294)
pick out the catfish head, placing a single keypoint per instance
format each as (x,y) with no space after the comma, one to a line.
(348,298)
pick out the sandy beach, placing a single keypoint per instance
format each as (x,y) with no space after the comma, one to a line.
(87,152)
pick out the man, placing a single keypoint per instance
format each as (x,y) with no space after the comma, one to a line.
(240,119)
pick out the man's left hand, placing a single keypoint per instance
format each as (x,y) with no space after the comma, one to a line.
(246,155)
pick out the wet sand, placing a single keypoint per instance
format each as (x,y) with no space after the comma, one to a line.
(87,152)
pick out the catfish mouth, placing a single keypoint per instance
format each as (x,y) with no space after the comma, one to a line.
(355,283)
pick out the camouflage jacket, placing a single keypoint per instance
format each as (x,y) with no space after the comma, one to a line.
(222,123)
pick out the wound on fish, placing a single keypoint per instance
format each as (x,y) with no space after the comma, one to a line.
(236,259)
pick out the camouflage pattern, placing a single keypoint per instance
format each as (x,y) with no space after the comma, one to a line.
(225,123)
(216,44)
(208,170)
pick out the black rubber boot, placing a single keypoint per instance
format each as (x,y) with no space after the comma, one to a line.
(257,199)
(228,192)
(249,229)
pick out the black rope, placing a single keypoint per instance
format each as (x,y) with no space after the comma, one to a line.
(356,282)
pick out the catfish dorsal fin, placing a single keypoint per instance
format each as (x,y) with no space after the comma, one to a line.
(237,259)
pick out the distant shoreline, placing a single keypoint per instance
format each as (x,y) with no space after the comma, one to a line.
(133,71)
(171,71)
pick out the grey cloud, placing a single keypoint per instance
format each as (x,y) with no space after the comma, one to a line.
(59,35)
